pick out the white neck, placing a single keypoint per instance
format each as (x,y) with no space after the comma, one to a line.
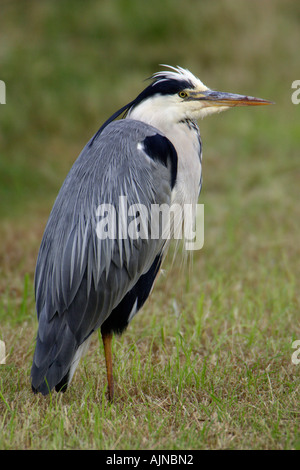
(156,112)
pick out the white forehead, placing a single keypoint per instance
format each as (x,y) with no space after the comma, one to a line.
(178,73)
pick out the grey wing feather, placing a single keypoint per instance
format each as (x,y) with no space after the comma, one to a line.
(79,277)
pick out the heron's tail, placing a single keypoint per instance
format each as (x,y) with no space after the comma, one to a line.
(55,359)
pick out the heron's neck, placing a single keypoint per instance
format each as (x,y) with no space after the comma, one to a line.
(164,118)
(151,112)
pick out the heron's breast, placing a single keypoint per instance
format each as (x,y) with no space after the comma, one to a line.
(188,147)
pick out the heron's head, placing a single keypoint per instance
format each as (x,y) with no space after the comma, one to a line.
(176,94)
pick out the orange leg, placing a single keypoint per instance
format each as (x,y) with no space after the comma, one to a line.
(107,339)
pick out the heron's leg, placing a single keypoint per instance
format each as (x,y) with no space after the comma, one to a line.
(107,339)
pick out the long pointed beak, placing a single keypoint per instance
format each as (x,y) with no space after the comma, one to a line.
(217,98)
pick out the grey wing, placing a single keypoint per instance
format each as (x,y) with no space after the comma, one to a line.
(82,274)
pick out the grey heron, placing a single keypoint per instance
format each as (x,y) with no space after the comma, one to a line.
(83,282)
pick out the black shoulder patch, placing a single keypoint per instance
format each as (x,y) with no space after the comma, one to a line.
(159,148)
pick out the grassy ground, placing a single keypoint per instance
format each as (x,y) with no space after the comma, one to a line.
(207,363)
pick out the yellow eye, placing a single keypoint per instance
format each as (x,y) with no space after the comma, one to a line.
(182,94)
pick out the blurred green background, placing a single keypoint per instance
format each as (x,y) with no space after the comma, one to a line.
(68,65)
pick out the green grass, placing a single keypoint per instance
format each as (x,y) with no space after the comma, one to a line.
(207,363)
(186,377)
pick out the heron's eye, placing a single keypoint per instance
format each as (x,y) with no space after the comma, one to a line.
(182,94)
